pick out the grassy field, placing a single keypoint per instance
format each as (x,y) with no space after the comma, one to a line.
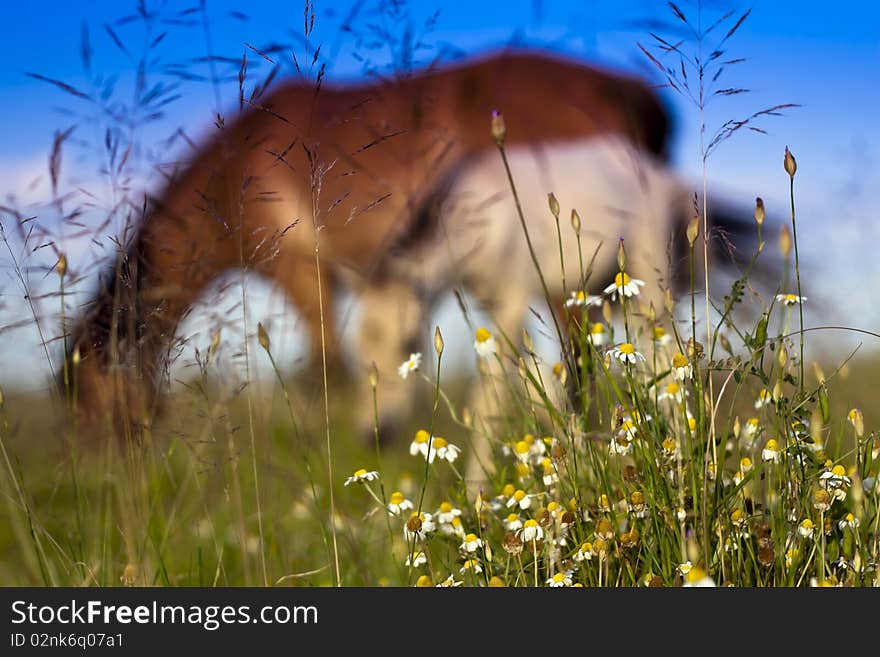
(658,452)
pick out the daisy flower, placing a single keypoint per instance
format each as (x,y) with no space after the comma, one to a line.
(598,334)
(697,578)
(624,286)
(620,445)
(471,543)
(520,498)
(484,344)
(835,478)
(626,353)
(580,299)
(849,521)
(362,476)
(419,445)
(764,398)
(661,337)
(418,526)
(447,513)
(771,451)
(512,522)
(443,450)
(806,528)
(398,503)
(410,365)
(672,391)
(789,299)
(685,568)
(449,582)
(522,450)
(636,504)
(471,565)
(531,531)
(560,579)
(584,553)
(751,427)
(682,367)
(416,559)
(551,476)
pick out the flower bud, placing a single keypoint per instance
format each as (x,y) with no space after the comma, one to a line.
(790,163)
(575,221)
(61,267)
(374,375)
(693,231)
(262,336)
(785,241)
(438,341)
(215,340)
(554,204)
(527,341)
(621,255)
(760,213)
(499,130)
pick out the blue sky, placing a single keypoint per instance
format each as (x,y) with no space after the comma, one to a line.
(824,57)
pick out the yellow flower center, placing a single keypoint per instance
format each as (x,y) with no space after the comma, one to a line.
(470,538)
(597,328)
(423,581)
(512,517)
(446,507)
(673,389)
(772,445)
(659,333)
(557,369)
(483,334)
(529,438)
(360,473)
(807,524)
(668,444)
(522,469)
(745,463)
(752,422)
(552,506)
(580,296)
(496,582)
(848,517)
(558,578)
(838,470)
(737,515)
(692,423)
(637,497)
(508,490)
(397,497)
(522,447)
(586,547)
(519,495)
(530,523)
(791,298)
(621,279)
(422,436)
(440,443)
(627,348)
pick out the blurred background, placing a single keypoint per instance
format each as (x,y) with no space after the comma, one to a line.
(824,59)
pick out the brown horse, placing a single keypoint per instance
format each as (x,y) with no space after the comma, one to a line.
(346,171)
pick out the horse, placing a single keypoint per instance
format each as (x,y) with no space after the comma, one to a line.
(475,244)
(317,185)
